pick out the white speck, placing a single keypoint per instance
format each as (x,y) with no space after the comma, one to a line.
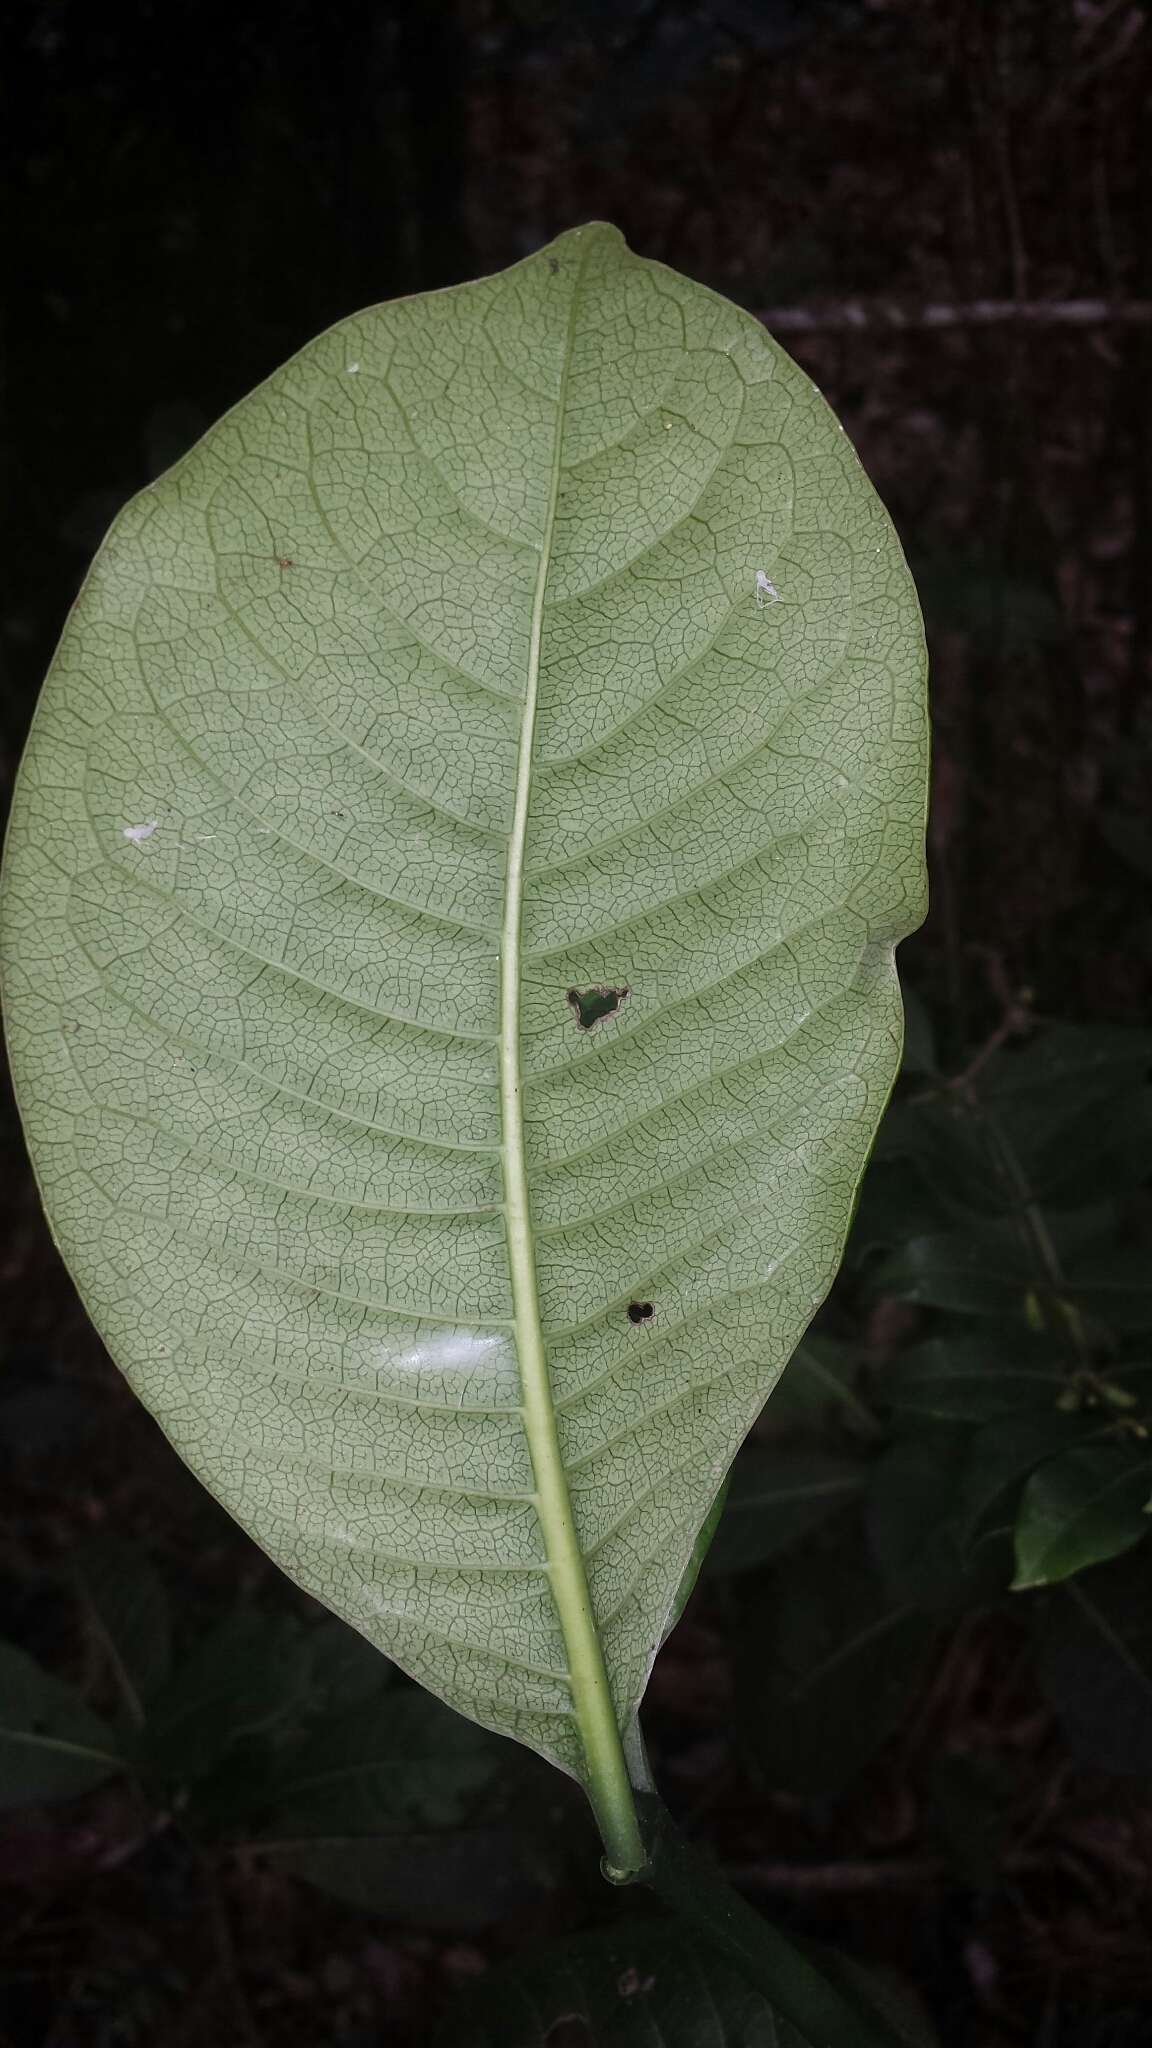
(766,591)
(138,833)
(353,369)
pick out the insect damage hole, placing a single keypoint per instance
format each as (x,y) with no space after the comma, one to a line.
(592,1005)
(640,1311)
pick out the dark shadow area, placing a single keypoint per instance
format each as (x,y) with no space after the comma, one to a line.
(902,1724)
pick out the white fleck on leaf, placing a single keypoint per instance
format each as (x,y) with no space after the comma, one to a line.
(766,591)
(138,833)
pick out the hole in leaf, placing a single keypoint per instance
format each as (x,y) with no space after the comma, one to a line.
(640,1311)
(593,1004)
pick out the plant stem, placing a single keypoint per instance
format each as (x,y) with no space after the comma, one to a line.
(606,1773)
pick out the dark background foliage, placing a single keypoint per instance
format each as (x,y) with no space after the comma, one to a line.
(884,1745)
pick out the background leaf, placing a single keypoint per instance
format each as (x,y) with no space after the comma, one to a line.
(956,1378)
(51,1744)
(636,1987)
(249,1674)
(1081,1508)
(827,1666)
(916,1530)
(777,1497)
(1001,1455)
(129,1613)
(470,1878)
(400,1761)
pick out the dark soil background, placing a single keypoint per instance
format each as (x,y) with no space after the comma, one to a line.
(193,192)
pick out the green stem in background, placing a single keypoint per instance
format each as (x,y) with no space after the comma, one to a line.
(686,1881)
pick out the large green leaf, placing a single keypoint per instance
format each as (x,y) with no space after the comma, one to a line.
(511,645)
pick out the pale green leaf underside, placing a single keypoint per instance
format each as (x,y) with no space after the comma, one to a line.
(254,903)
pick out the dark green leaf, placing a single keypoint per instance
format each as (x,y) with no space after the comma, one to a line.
(345,1668)
(1066,1119)
(642,1985)
(827,2000)
(1080,1509)
(916,1531)
(941,1149)
(398,1761)
(51,1744)
(1115,1287)
(249,1674)
(777,1497)
(827,1667)
(128,1610)
(1001,1456)
(972,1379)
(991,1269)
(897,1202)
(817,1387)
(1094,1660)
(1050,1098)
(469,1878)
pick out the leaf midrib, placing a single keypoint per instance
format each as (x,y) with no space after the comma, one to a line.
(594,1712)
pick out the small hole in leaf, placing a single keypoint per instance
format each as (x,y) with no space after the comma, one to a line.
(593,1004)
(640,1311)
